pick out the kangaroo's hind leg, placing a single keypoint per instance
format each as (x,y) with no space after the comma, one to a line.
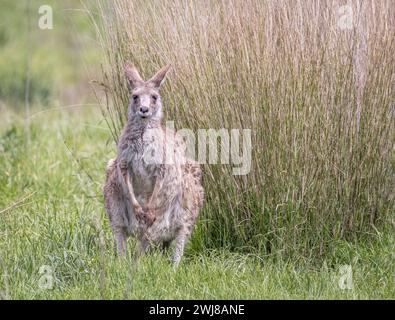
(119,226)
(115,205)
(120,238)
(180,242)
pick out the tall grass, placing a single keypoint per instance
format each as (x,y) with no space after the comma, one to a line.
(319,99)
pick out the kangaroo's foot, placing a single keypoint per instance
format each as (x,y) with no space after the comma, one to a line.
(179,249)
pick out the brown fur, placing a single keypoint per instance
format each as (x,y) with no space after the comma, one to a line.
(155,201)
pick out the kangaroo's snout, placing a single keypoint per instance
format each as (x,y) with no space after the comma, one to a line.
(144,109)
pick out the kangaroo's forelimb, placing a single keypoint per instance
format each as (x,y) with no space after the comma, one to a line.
(142,215)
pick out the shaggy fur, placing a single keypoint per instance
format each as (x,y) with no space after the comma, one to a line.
(152,191)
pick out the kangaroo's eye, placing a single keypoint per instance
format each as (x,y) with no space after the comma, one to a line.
(135,97)
(154,97)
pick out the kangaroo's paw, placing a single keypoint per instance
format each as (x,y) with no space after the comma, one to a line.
(123,164)
(145,216)
(149,217)
(139,212)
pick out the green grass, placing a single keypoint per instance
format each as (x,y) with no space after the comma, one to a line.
(63,59)
(62,224)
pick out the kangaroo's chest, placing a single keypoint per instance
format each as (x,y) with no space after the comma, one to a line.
(143,176)
(143,166)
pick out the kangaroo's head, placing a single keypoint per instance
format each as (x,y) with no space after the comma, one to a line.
(145,102)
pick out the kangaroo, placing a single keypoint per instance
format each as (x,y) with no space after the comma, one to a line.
(152,190)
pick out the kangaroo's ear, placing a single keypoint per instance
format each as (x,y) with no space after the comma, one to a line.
(158,78)
(133,75)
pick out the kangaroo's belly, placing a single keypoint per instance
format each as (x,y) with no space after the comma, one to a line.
(166,227)
(143,180)
(170,215)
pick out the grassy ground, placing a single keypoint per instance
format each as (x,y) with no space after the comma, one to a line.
(51,214)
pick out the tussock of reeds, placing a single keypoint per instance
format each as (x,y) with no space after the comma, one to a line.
(318,96)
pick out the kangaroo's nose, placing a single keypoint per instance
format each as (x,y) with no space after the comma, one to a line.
(143,109)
